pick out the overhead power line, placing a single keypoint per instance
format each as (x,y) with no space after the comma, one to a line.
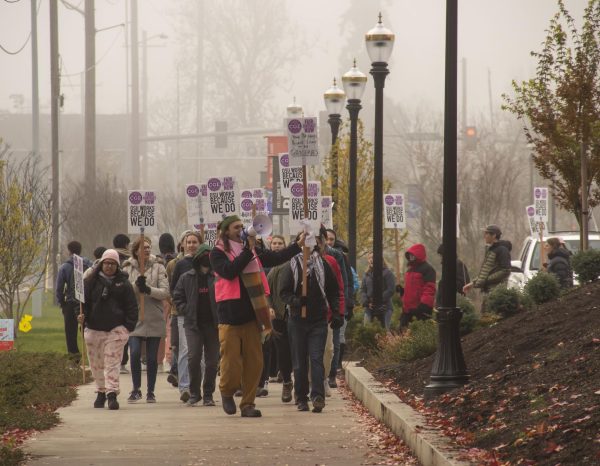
(9,52)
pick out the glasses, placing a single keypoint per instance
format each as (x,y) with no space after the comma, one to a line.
(110,264)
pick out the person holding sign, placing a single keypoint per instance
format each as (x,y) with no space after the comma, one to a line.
(240,299)
(308,335)
(110,312)
(152,286)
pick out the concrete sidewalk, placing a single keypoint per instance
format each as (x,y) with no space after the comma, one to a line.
(171,433)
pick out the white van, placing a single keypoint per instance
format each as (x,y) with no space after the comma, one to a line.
(528,264)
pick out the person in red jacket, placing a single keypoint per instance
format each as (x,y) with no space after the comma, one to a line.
(418,294)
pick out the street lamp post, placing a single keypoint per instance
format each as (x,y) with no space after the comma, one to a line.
(380,42)
(334,102)
(354,83)
(449,370)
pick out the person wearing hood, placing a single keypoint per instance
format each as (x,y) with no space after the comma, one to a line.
(152,286)
(495,268)
(418,294)
(121,245)
(559,262)
(384,315)
(110,312)
(65,297)
(240,299)
(194,297)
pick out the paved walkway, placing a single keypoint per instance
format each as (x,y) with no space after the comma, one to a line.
(170,433)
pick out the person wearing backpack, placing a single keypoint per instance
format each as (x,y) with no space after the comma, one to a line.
(65,296)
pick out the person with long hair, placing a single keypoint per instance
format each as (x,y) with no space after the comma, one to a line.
(240,291)
(152,287)
(110,312)
(559,262)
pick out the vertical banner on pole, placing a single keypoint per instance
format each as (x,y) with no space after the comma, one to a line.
(303,143)
(222,199)
(141,212)
(253,202)
(313,214)
(394,211)
(327,212)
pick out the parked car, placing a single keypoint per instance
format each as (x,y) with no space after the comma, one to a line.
(528,264)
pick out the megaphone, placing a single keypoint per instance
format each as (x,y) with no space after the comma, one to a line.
(261,226)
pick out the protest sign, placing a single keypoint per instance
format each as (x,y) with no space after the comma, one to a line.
(534,224)
(78,278)
(142,212)
(7,334)
(195,201)
(253,202)
(222,199)
(540,202)
(303,143)
(210,233)
(327,212)
(297,206)
(394,211)
(288,174)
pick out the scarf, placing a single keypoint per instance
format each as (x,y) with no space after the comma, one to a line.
(236,250)
(314,265)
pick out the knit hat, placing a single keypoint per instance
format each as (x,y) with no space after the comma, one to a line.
(183,235)
(110,254)
(166,243)
(203,250)
(228,221)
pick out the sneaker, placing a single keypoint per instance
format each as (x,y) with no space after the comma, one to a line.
(112,400)
(172,379)
(251,411)
(302,406)
(238,392)
(208,401)
(193,401)
(123,369)
(228,404)
(100,400)
(134,396)
(279,377)
(332,382)
(318,404)
(286,392)
(263,391)
(185,396)
(150,398)
(327,390)
(272,379)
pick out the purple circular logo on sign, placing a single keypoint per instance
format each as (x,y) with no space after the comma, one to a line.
(389,200)
(246,194)
(135,197)
(538,193)
(285,160)
(193,190)
(294,126)
(530,211)
(247,205)
(214,184)
(297,189)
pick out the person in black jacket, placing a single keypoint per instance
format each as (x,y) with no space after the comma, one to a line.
(233,260)
(559,262)
(462,277)
(194,297)
(308,335)
(110,312)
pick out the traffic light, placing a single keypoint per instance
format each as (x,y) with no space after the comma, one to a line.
(470,138)
(221,139)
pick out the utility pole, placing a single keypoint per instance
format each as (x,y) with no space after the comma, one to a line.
(90,94)
(135,98)
(35,94)
(144,144)
(464,97)
(584,198)
(199,82)
(54,108)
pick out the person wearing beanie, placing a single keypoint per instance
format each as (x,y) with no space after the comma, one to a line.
(151,285)
(194,297)
(110,312)
(239,298)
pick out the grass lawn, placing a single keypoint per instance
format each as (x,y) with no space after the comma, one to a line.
(47,333)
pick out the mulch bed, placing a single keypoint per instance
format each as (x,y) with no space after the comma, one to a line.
(534,394)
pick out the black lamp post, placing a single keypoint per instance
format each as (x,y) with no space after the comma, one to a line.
(354,83)
(380,42)
(334,102)
(449,370)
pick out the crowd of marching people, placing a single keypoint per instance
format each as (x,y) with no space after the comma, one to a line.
(243,310)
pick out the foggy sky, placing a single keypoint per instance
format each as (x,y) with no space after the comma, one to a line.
(493,34)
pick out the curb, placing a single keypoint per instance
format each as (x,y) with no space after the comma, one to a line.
(431,448)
